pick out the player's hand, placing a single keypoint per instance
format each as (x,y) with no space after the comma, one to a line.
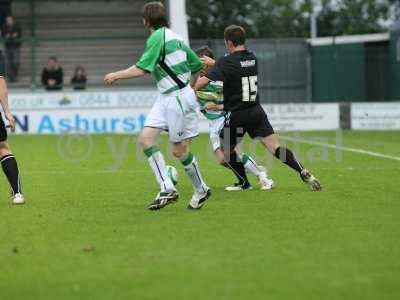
(111,78)
(208,61)
(211,106)
(10,118)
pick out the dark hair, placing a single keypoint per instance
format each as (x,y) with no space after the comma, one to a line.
(53,58)
(79,68)
(236,34)
(205,50)
(155,15)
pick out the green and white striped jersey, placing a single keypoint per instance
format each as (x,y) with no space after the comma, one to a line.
(179,57)
(212,92)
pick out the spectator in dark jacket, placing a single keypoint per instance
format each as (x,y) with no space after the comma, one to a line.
(12,35)
(5,10)
(79,79)
(52,75)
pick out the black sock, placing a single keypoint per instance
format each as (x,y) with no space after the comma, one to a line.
(287,157)
(10,168)
(230,168)
(237,168)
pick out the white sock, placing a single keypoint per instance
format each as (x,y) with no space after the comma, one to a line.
(250,165)
(193,171)
(157,164)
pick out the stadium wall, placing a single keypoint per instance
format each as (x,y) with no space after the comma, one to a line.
(351,68)
(394,59)
(338,72)
(119,111)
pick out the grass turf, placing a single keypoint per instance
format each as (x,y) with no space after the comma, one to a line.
(85,232)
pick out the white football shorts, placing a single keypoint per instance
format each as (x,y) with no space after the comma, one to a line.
(215,127)
(176,113)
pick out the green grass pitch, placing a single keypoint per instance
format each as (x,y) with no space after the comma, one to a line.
(85,232)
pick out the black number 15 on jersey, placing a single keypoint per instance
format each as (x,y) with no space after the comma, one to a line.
(250,88)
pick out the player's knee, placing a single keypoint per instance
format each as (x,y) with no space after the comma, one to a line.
(4,149)
(274,147)
(178,152)
(145,142)
(272,143)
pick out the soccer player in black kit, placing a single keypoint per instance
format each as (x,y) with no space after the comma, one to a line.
(7,159)
(244,114)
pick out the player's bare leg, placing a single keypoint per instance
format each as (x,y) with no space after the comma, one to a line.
(201,191)
(271,142)
(10,169)
(147,139)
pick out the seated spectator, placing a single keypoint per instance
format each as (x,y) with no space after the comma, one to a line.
(52,75)
(79,79)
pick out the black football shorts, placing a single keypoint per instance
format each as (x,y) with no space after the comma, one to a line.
(3,130)
(253,121)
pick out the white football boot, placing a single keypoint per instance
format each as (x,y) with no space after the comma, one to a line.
(265,182)
(199,199)
(237,187)
(18,199)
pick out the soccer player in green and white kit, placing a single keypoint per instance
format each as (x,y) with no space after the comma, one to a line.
(172,63)
(211,100)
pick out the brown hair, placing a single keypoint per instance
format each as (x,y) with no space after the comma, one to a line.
(79,68)
(205,50)
(236,34)
(155,15)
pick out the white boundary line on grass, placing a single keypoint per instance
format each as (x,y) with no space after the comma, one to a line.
(333,146)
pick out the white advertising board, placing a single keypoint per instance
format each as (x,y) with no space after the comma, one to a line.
(375,116)
(85,99)
(303,117)
(283,117)
(97,120)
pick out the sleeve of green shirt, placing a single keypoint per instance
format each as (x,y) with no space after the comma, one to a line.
(193,60)
(149,59)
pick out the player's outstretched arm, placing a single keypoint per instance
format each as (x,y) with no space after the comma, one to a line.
(4,103)
(214,106)
(201,82)
(208,61)
(195,77)
(131,72)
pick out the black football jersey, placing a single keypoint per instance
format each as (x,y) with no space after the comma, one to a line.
(238,72)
